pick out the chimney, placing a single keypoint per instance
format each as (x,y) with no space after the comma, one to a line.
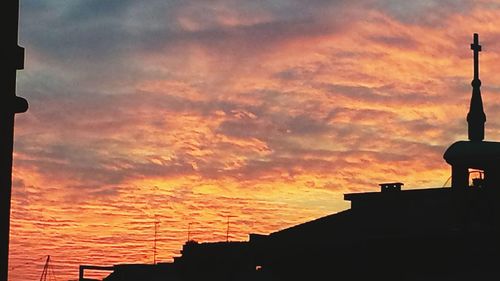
(391,186)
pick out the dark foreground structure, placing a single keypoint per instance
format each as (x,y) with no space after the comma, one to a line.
(425,234)
(10,104)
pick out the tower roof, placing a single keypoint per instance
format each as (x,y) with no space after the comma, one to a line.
(472,154)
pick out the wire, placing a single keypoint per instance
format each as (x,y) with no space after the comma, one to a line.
(444,185)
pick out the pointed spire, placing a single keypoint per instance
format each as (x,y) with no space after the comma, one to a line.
(476,117)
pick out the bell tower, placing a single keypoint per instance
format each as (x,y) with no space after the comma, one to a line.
(475,153)
(476,117)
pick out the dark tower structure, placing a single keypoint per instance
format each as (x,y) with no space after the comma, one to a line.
(475,154)
(10,104)
(476,117)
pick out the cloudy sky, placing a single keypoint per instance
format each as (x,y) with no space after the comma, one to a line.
(266,112)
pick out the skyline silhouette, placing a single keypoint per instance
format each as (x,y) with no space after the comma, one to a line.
(194,112)
(443,233)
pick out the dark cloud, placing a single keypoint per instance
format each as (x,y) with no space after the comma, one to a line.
(428,12)
(97,30)
(90,10)
(403,42)
(359,114)
(304,125)
(93,167)
(94,30)
(390,94)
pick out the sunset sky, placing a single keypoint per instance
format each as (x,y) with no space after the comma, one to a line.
(266,112)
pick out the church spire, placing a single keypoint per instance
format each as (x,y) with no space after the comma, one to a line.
(476,117)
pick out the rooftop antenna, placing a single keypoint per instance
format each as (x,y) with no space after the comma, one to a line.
(47,272)
(10,104)
(156,222)
(189,232)
(227,230)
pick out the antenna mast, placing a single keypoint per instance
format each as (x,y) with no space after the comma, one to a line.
(47,271)
(227,230)
(156,222)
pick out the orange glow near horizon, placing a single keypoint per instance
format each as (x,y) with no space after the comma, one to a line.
(266,115)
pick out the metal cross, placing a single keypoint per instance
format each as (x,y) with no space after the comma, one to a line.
(476,48)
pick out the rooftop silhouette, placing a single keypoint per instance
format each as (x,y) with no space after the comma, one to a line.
(394,234)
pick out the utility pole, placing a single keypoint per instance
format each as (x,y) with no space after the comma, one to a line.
(10,104)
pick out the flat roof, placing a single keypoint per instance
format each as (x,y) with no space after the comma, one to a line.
(413,193)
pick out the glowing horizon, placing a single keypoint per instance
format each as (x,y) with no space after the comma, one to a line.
(192,112)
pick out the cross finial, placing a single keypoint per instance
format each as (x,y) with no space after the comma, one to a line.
(476,48)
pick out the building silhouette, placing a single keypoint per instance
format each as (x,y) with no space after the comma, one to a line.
(393,234)
(10,105)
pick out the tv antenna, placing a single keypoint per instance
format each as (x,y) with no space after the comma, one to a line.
(156,223)
(48,272)
(227,230)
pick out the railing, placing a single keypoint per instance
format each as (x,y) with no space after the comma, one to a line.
(81,272)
